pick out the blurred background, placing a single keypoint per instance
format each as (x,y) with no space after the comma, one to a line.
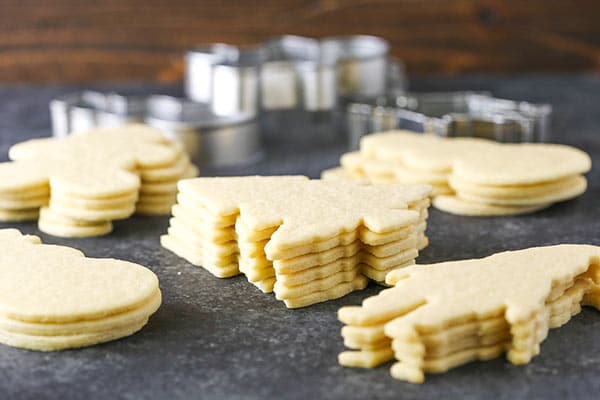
(75,41)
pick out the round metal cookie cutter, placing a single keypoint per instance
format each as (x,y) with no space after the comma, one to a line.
(82,111)
(225,77)
(210,139)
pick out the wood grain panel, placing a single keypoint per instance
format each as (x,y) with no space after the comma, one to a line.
(81,40)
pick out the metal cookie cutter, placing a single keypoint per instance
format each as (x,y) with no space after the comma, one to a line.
(451,114)
(225,77)
(293,77)
(82,111)
(361,64)
(210,139)
(291,72)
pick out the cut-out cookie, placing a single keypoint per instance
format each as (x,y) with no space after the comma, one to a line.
(442,315)
(93,176)
(311,249)
(53,297)
(459,206)
(475,177)
(573,189)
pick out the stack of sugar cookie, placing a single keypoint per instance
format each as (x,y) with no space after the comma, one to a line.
(84,182)
(470,176)
(158,189)
(385,172)
(54,298)
(21,200)
(305,240)
(439,316)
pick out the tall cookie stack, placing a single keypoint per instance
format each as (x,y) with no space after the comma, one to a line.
(84,182)
(158,190)
(305,240)
(443,315)
(470,176)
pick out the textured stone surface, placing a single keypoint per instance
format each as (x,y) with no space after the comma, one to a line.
(224,339)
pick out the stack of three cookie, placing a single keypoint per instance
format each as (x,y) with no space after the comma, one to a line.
(53,297)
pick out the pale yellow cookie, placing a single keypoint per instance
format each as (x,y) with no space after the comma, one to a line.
(490,178)
(340,290)
(459,206)
(512,191)
(574,189)
(283,291)
(117,321)
(122,201)
(68,287)
(93,175)
(74,231)
(54,298)
(18,177)
(339,173)
(443,315)
(158,199)
(24,203)
(162,188)
(91,214)
(179,248)
(169,173)
(316,241)
(55,343)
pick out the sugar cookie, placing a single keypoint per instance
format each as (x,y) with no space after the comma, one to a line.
(439,316)
(53,297)
(316,248)
(470,176)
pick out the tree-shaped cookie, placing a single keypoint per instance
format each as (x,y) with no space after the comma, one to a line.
(267,227)
(441,315)
(53,297)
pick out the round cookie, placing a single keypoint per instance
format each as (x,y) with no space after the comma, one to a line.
(170,173)
(60,219)
(68,287)
(19,215)
(521,164)
(122,201)
(23,203)
(75,231)
(54,343)
(94,181)
(22,177)
(576,188)
(458,206)
(514,191)
(88,214)
(26,194)
(117,321)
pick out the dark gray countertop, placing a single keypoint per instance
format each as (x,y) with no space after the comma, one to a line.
(215,338)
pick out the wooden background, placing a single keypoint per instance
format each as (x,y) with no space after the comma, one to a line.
(82,41)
